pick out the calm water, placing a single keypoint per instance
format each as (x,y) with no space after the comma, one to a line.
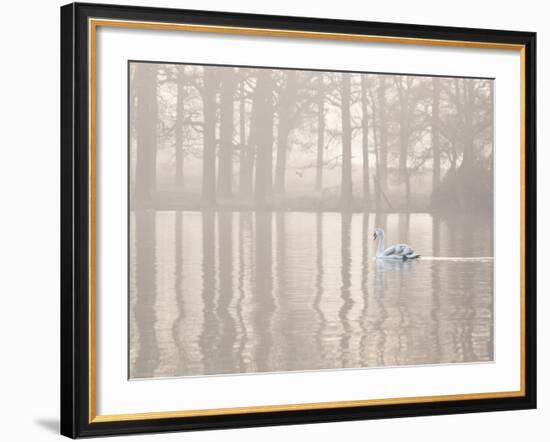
(223,292)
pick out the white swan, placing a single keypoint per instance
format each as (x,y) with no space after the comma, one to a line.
(398,251)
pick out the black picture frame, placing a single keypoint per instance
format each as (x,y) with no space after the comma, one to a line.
(75,221)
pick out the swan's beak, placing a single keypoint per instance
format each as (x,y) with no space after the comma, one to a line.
(374,235)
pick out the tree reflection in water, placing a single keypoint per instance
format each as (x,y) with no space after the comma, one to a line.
(279,291)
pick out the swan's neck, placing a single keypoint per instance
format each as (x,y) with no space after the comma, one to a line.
(380,248)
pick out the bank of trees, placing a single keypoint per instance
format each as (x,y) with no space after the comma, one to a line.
(209,136)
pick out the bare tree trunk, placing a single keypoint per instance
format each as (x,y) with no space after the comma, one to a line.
(491,119)
(365,141)
(262,139)
(459,117)
(320,133)
(383,151)
(210,85)
(375,130)
(468,128)
(178,177)
(246,158)
(225,165)
(286,111)
(403,172)
(407,188)
(347,188)
(436,177)
(146,133)
(404,140)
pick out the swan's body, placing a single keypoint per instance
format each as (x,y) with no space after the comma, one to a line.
(397,251)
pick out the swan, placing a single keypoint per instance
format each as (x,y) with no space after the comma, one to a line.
(398,251)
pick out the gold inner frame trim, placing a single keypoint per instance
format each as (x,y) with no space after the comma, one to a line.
(93,24)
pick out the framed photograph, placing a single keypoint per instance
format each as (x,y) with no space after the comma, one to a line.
(274,220)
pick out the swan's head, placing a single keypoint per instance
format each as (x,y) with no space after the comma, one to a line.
(378,233)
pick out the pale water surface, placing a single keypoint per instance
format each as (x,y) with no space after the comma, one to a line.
(242,292)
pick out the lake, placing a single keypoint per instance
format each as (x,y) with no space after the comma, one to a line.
(244,292)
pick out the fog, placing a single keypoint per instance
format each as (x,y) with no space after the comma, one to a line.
(229,137)
(254,194)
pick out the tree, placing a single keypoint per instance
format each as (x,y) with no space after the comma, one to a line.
(209,89)
(365,140)
(320,132)
(383,129)
(467,125)
(146,130)
(225,165)
(262,135)
(179,125)
(287,100)
(403,85)
(376,128)
(246,154)
(413,118)
(436,175)
(467,128)
(347,187)
(429,135)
